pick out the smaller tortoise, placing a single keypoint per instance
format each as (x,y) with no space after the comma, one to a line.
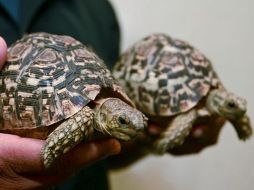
(175,86)
(52,87)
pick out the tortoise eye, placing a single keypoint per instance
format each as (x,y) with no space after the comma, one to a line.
(231,105)
(123,120)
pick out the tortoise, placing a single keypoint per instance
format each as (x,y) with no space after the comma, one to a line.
(175,85)
(53,87)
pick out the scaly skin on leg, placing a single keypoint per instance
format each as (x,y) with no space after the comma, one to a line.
(178,129)
(67,135)
(243,127)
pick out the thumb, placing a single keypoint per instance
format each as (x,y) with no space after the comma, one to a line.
(3,51)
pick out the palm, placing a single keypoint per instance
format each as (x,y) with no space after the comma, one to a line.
(20,159)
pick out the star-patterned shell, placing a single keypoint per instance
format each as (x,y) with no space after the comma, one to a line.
(165,76)
(48,78)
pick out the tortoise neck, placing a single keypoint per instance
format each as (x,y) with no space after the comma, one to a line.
(102,114)
(213,101)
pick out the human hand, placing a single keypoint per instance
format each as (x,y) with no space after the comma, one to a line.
(202,135)
(21,166)
(20,158)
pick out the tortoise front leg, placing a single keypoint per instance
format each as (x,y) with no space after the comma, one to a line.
(243,127)
(67,135)
(175,134)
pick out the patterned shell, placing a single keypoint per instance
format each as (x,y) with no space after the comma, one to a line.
(48,78)
(165,76)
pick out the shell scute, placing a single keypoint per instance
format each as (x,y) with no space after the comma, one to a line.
(165,76)
(48,78)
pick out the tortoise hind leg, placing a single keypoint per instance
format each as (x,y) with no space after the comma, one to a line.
(67,135)
(175,134)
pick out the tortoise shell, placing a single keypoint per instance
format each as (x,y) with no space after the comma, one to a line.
(48,78)
(165,76)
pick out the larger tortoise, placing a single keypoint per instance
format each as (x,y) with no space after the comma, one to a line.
(176,86)
(54,87)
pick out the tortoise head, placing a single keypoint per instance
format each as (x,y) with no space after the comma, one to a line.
(232,108)
(226,104)
(119,119)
